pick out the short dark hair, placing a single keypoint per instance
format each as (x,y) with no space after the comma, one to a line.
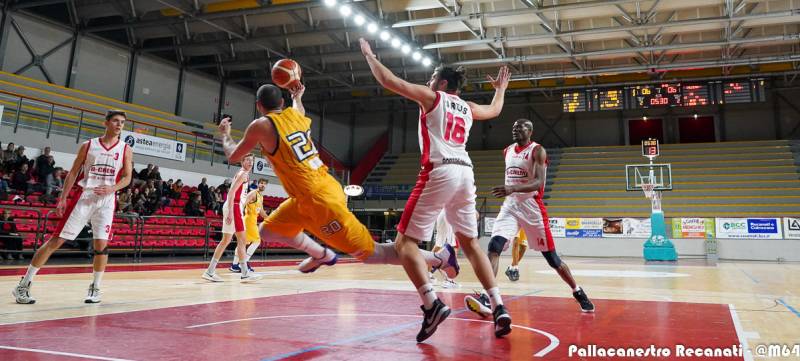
(269,96)
(112,112)
(264,180)
(527,122)
(456,78)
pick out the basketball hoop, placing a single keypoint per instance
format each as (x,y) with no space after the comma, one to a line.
(649,190)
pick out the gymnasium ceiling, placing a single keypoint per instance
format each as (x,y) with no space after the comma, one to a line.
(541,40)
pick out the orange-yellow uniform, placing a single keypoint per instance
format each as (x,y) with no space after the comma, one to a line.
(316,200)
(251,212)
(521,238)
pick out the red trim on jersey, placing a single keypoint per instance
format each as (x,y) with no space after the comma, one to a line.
(238,220)
(551,246)
(67,212)
(237,195)
(104,146)
(518,149)
(422,180)
(119,174)
(435,104)
(425,159)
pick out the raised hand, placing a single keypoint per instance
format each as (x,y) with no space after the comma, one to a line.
(501,82)
(366,49)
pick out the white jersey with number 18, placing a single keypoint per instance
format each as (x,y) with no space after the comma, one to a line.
(444,130)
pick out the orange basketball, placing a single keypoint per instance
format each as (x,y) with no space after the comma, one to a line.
(286,73)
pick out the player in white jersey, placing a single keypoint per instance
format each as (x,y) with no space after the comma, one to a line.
(445,181)
(523,207)
(102,167)
(233,224)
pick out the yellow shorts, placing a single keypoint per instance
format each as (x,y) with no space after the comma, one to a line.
(323,213)
(522,238)
(251,230)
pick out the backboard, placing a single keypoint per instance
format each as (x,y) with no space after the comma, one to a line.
(658,174)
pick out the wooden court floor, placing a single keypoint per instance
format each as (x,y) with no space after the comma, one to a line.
(354,311)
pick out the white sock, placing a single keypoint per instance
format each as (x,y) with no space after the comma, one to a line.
(427,294)
(251,250)
(576,289)
(212,267)
(245,270)
(494,296)
(98,276)
(29,275)
(235,257)
(314,249)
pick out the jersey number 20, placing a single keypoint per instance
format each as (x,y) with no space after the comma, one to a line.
(301,145)
(455,129)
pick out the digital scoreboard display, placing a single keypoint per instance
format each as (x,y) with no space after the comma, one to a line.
(655,96)
(736,92)
(696,95)
(665,95)
(572,102)
(650,148)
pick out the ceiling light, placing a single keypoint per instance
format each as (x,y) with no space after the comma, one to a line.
(426,61)
(372,28)
(396,43)
(330,3)
(345,10)
(385,36)
(406,49)
(359,20)
(416,56)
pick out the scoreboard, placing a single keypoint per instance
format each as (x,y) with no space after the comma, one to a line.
(664,95)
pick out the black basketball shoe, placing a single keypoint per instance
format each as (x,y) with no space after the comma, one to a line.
(502,321)
(583,300)
(432,318)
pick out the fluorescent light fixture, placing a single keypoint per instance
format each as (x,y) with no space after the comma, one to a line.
(405,49)
(396,43)
(359,20)
(416,56)
(330,3)
(372,28)
(345,10)
(385,36)
(426,61)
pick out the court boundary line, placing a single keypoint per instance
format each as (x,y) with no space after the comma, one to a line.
(790,308)
(59,353)
(737,326)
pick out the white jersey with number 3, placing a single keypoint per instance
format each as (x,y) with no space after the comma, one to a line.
(444,130)
(103,164)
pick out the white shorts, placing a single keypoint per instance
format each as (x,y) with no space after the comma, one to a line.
(444,235)
(99,210)
(450,187)
(237,223)
(528,214)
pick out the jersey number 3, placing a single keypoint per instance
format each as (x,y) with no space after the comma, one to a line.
(301,145)
(455,129)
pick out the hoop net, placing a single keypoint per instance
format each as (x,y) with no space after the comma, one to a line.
(650,192)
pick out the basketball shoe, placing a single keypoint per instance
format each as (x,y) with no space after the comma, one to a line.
(311,264)
(479,304)
(432,318)
(583,300)
(93,296)
(22,294)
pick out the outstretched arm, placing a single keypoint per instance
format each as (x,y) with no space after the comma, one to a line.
(485,112)
(297,98)
(534,185)
(418,93)
(258,130)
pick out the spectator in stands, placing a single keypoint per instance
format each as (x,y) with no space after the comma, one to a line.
(205,196)
(9,158)
(45,164)
(9,236)
(21,158)
(177,188)
(53,185)
(146,173)
(224,187)
(192,208)
(21,178)
(217,201)
(4,187)
(166,189)
(124,199)
(155,174)
(138,201)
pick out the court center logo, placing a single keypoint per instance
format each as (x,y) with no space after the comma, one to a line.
(130,141)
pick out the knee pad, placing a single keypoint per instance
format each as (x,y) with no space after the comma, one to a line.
(552,258)
(101,253)
(496,244)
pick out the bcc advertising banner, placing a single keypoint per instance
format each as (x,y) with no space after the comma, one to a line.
(749,228)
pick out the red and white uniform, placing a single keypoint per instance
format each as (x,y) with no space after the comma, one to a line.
(238,197)
(102,167)
(524,210)
(444,232)
(446,180)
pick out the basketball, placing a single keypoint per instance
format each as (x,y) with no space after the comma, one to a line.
(286,73)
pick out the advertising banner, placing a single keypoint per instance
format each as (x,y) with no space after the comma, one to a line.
(558,227)
(626,227)
(749,228)
(584,227)
(155,146)
(263,167)
(692,227)
(791,228)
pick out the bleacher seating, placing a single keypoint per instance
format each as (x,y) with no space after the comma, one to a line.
(758,178)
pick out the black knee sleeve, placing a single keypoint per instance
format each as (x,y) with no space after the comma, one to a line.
(552,258)
(101,253)
(496,244)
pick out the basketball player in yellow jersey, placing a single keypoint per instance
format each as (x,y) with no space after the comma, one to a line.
(316,202)
(517,251)
(254,207)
